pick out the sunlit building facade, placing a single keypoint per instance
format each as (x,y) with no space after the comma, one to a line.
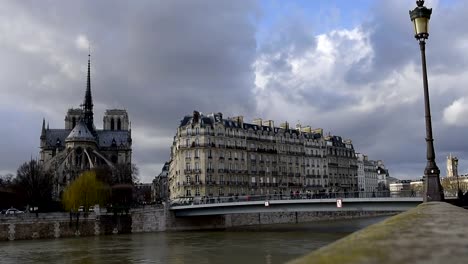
(213,156)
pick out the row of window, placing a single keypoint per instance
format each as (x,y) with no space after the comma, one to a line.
(240,133)
(253,156)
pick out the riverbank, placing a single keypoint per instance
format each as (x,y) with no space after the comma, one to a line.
(151,219)
(265,244)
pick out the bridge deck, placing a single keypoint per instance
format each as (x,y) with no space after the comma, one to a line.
(299,205)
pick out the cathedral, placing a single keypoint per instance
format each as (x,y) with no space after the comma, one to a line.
(80,146)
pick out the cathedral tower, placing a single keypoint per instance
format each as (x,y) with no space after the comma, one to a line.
(452,166)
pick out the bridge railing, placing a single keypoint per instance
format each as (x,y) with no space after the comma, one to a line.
(291,196)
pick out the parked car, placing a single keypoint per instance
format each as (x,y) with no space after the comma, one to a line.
(81,209)
(13,211)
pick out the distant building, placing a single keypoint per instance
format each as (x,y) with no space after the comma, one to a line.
(80,146)
(342,165)
(160,191)
(214,156)
(417,187)
(382,176)
(142,193)
(367,174)
(452,166)
(401,188)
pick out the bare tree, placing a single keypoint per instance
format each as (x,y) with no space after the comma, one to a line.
(35,183)
(125,174)
(6,181)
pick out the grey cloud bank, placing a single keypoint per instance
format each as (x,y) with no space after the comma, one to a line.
(162,60)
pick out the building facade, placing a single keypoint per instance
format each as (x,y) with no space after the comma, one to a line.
(452,166)
(402,188)
(214,156)
(79,146)
(342,165)
(160,190)
(367,174)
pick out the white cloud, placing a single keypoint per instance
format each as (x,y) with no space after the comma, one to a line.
(455,114)
(82,42)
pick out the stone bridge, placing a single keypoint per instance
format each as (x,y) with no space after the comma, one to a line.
(382,204)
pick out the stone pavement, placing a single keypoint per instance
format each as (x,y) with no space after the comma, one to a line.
(434,232)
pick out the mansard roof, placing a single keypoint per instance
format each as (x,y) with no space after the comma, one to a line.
(211,119)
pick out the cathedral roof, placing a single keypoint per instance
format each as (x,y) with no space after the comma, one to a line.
(107,137)
(80,133)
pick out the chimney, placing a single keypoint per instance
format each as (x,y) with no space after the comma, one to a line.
(257,121)
(240,120)
(196,116)
(284,125)
(269,123)
(298,127)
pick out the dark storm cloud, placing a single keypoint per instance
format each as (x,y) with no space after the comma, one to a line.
(158,59)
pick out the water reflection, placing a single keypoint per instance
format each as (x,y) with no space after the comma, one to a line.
(265,244)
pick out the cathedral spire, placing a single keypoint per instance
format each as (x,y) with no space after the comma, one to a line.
(88,100)
(43,131)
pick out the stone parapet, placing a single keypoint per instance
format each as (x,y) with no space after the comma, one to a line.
(433,232)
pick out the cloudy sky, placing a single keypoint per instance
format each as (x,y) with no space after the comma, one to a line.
(350,67)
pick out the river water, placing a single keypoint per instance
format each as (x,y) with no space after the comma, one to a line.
(265,244)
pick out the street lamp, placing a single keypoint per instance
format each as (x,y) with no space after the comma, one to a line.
(455,165)
(432,187)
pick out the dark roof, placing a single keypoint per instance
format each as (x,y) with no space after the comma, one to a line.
(228,123)
(80,133)
(107,136)
(54,135)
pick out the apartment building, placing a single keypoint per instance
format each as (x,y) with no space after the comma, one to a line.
(215,156)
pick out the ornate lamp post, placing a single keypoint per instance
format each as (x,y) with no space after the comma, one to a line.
(459,191)
(432,187)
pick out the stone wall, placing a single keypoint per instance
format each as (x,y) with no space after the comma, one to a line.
(235,220)
(149,219)
(56,225)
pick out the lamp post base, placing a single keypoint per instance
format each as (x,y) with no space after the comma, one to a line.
(432,188)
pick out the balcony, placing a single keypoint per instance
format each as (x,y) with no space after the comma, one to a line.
(187,183)
(209,170)
(187,171)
